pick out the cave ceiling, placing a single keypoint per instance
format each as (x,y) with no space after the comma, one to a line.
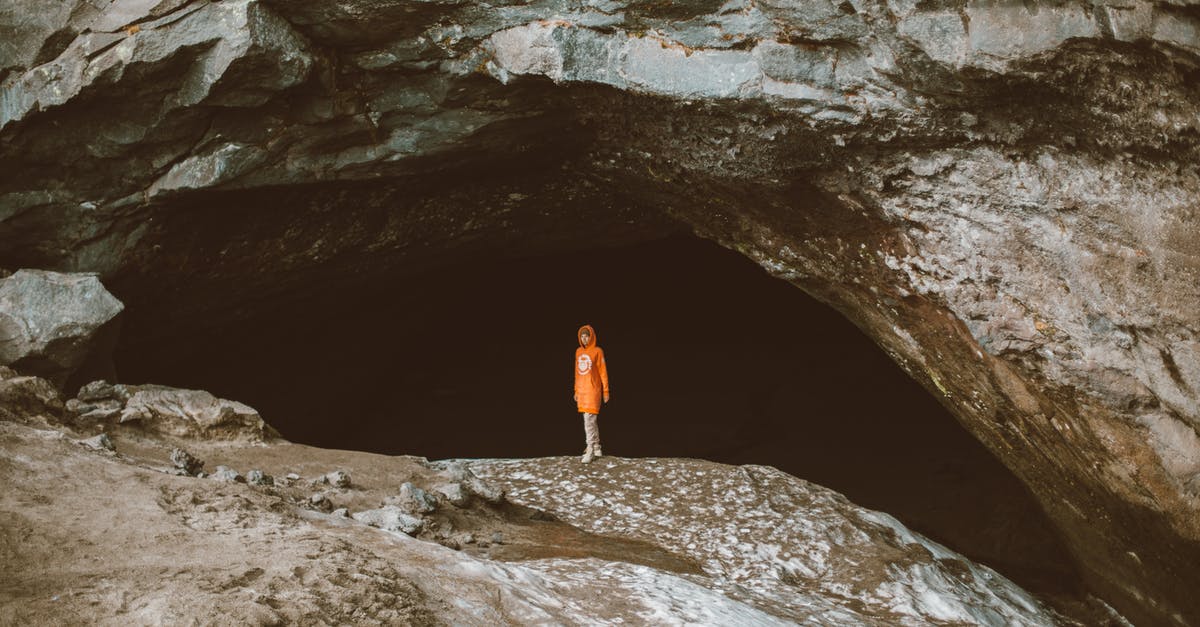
(1004,196)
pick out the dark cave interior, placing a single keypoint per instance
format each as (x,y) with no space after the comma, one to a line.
(709,357)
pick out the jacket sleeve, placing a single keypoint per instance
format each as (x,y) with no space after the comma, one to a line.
(604,373)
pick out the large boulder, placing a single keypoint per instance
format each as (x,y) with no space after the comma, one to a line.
(55,325)
(170,411)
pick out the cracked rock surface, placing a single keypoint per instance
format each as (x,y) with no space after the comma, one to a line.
(621,541)
(56,325)
(1004,196)
(167,410)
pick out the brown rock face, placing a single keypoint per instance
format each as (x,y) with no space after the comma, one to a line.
(1004,197)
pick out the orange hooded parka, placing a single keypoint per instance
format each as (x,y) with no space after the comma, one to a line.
(591,373)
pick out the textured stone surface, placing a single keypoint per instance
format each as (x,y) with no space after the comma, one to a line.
(822,567)
(391,518)
(183,549)
(463,486)
(99,443)
(224,473)
(193,413)
(412,500)
(186,462)
(257,477)
(170,411)
(51,323)
(22,397)
(337,479)
(1004,196)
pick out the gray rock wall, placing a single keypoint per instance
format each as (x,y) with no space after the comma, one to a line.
(1003,195)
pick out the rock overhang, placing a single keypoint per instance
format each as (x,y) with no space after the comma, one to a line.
(1000,194)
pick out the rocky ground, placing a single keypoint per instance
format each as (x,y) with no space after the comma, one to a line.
(145,522)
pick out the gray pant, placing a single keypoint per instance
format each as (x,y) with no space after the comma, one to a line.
(591,430)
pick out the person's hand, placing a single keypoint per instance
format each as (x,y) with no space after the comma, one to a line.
(575,398)
(605,398)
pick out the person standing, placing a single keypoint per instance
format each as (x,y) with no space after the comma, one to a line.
(591,388)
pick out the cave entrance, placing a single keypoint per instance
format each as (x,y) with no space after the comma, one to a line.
(709,357)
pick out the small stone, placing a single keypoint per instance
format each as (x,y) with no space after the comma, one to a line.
(472,485)
(122,392)
(291,476)
(497,537)
(258,477)
(96,391)
(224,473)
(99,411)
(321,502)
(341,512)
(26,395)
(422,501)
(391,518)
(338,479)
(99,443)
(454,493)
(486,491)
(186,462)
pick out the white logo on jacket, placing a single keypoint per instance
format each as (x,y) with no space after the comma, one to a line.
(584,363)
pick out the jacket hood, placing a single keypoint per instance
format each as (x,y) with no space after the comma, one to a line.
(579,334)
